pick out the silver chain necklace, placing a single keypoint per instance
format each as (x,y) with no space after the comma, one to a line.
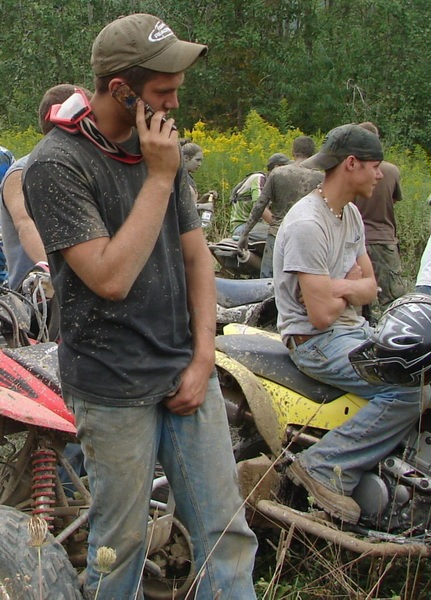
(325,200)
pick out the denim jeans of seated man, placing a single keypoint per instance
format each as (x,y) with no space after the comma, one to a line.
(344,453)
(423,289)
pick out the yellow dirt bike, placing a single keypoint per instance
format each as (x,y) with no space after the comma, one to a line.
(279,411)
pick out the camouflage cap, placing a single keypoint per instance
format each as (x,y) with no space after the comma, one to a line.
(276,160)
(344,141)
(142,40)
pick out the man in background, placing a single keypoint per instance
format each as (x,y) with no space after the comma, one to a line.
(381,236)
(22,245)
(284,186)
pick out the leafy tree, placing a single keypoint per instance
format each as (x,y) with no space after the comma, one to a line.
(311,64)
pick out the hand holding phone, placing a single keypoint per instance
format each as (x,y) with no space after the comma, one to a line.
(127,98)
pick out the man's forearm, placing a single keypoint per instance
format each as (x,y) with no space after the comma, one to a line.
(355,292)
(254,217)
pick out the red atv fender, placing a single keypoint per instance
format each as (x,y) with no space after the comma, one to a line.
(28,410)
(25,397)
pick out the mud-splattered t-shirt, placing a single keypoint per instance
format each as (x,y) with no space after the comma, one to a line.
(119,353)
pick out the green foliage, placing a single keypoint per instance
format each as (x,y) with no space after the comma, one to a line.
(230,155)
(413,213)
(306,64)
(20,143)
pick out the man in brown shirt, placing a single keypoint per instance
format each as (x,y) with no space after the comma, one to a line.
(380,233)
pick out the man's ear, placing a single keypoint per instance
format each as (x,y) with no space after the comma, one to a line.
(350,162)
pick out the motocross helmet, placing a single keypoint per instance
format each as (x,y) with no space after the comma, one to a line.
(399,349)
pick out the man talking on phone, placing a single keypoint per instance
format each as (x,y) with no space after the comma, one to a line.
(108,191)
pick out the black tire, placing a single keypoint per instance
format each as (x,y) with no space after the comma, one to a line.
(19,563)
(250,447)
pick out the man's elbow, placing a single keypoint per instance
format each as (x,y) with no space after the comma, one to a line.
(323,316)
(321,321)
(113,290)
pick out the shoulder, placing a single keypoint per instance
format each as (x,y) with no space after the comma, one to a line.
(18,165)
(258,177)
(353,211)
(388,168)
(283,171)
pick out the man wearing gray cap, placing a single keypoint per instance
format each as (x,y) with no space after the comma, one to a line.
(321,275)
(108,191)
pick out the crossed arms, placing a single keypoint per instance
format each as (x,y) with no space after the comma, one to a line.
(325,299)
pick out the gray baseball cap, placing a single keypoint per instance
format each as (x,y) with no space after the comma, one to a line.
(142,40)
(344,141)
(276,160)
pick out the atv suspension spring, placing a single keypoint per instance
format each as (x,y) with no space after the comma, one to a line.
(44,478)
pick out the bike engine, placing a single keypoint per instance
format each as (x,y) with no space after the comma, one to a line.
(396,496)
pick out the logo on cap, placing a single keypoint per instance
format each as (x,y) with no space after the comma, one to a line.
(160,32)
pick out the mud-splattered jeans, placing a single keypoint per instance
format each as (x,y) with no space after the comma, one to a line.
(121,446)
(339,459)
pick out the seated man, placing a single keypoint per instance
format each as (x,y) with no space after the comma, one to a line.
(321,274)
(244,197)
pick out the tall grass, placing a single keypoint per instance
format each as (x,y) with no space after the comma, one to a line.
(306,568)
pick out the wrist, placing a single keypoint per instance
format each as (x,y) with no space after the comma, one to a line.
(43,265)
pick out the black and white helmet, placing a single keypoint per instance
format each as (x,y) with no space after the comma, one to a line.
(399,349)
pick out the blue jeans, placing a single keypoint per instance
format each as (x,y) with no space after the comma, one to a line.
(266,268)
(121,445)
(344,453)
(74,455)
(423,289)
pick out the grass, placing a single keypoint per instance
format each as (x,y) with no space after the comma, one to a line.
(302,568)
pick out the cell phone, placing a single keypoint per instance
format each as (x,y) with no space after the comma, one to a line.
(127,98)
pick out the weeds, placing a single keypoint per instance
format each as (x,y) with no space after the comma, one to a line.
(37,529)
(105,560)
(311,569)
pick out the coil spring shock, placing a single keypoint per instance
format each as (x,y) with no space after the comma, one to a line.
(44,462)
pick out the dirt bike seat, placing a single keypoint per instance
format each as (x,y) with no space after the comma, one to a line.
(39,359)
(269,358)
(237,292)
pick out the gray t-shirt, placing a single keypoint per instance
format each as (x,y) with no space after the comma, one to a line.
(128,352)
(312,240)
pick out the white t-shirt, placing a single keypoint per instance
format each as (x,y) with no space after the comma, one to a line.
(424,275)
